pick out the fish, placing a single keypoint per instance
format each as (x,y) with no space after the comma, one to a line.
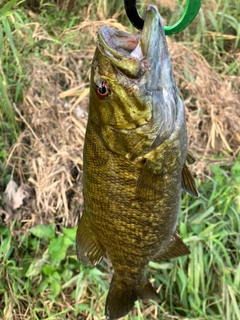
(135,162)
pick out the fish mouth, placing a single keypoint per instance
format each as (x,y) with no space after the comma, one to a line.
(128,51)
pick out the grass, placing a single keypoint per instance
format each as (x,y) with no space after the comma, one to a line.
(40,277)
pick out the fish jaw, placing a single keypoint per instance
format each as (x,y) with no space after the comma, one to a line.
(143,56)
(117,46)
(155,52)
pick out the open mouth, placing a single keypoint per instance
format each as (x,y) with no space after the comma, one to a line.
(146,45)
(120,44)
(138,54)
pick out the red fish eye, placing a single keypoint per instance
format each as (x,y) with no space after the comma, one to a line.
(102,89)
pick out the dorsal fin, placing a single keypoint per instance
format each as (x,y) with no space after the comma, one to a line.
(188,183)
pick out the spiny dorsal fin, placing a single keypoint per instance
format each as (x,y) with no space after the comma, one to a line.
(176,248)
(89,252)
(188,183)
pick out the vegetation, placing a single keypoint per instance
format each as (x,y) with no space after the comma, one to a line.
(40,277)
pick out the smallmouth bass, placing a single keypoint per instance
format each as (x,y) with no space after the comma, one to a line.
(135,156)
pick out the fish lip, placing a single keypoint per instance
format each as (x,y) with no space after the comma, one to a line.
(150,40)
(153,37)
(109,40)
(117,47)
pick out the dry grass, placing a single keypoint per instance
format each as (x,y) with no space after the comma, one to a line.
(48,153)
(212,106)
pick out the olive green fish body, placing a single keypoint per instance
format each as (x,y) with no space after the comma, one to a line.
(134,162)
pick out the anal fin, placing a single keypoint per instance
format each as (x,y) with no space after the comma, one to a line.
(146,291)
(176,248)
(188,183)
(89,251)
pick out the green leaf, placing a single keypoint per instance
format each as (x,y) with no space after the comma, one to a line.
(58,250)
(48,269)
(67,274)
(43,231)
(55,245)
(70,232)
(7,7)
(8,31)
(235,170)
(55,287)
(36,267)
(68,242)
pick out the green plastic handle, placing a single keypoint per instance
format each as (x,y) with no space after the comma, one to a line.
(190,12)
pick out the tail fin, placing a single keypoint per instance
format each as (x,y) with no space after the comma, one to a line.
(121,298)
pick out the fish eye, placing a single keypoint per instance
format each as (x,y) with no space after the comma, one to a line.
(102,89)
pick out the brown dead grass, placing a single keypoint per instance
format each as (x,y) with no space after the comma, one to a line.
(212,106)
(48,153)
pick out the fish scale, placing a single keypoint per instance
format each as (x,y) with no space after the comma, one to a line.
(133,162)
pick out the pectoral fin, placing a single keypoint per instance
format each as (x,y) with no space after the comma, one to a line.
(149,182)
(89,251)
(176,248)
(188,183)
